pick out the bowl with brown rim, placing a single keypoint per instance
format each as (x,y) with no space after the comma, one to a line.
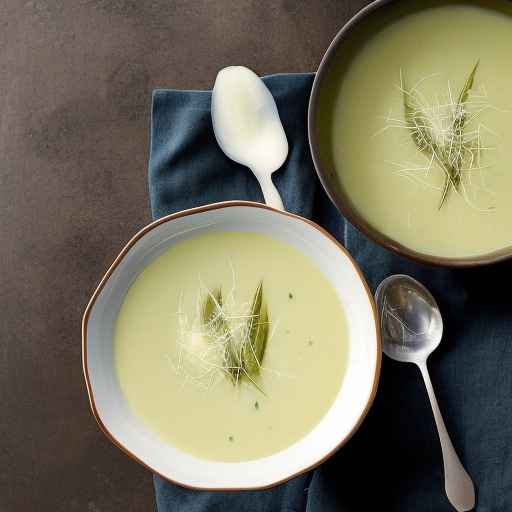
(127,431)
(343,46)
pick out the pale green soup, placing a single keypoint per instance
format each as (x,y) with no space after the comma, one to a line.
(166,365)
(395,184)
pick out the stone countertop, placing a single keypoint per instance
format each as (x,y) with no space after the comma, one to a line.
(75,89)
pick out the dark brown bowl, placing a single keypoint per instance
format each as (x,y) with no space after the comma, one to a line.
(343,46)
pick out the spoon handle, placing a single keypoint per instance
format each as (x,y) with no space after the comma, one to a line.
(458,484)
(270,193)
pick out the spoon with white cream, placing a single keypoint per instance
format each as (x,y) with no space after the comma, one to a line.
(248,128)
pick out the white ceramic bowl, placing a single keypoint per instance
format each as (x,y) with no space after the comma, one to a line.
(343,418)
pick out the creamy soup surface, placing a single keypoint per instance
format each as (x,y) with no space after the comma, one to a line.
(395,186)
(165,365)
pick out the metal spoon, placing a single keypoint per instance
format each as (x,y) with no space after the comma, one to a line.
(247,126)
(411,327)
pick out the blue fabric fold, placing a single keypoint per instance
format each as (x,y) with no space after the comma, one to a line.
(393,462)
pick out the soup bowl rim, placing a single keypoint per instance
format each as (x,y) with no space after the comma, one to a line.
(341,200)
(169,218)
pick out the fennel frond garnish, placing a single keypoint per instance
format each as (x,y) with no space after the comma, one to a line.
(447,131)
(440,133)
(243,342)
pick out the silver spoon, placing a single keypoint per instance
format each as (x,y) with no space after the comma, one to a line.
(412,327)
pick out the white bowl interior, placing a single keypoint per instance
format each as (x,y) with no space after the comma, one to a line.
(340,421)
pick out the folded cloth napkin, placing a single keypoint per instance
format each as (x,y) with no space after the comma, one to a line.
(394,460)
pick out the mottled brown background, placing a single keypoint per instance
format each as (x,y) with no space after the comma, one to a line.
(75,84)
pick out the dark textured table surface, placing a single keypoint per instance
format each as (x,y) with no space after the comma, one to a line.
(75,88)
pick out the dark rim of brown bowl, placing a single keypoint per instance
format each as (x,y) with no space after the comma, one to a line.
(216,206)
(343,203)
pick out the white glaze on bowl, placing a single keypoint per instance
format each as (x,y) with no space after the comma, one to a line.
(349,408)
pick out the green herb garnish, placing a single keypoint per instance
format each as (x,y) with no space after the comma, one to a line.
(212,307)
(243,347)
(440,134)
(218,330)
(254,347)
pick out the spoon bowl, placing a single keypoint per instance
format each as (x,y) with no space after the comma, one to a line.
(411,323)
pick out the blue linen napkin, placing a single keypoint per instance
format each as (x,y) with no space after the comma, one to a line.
(393,463)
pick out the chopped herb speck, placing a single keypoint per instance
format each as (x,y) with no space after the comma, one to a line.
(231,439)
(290,295)
(256,405)
(310,342)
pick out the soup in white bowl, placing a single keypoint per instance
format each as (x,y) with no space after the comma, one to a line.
(247,382)
(231,347)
